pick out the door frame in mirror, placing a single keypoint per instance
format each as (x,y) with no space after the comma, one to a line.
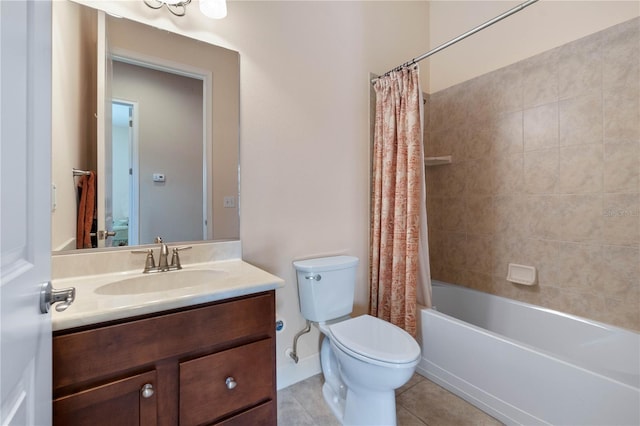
(206,76)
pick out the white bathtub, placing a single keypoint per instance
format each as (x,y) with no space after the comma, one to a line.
(524,364)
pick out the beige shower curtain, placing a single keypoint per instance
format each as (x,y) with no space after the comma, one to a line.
(399,259)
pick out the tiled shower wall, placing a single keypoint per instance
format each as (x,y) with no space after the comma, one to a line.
(545,172)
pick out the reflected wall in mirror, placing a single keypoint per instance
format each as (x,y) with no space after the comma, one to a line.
(164,208)
(156,116)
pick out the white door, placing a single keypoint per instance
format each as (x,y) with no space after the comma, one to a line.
(25,211)
(124,169)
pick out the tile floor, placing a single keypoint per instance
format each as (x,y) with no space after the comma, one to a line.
(420,402)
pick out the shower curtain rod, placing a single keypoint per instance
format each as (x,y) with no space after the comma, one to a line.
(443,46)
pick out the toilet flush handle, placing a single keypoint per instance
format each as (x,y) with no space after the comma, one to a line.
(316,277)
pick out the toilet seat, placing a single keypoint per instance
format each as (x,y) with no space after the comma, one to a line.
(375,341)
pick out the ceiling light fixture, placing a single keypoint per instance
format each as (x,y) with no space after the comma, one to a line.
(177,7)
(215,9)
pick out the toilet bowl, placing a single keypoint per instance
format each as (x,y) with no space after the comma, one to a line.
(374,358)
(364,359)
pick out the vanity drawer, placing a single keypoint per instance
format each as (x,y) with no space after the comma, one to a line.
(263,415)
(102,352)
(204,395)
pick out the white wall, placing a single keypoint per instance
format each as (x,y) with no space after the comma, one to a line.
(305,134)
(540,27)
(304,127)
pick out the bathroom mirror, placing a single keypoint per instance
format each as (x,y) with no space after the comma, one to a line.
(178,177)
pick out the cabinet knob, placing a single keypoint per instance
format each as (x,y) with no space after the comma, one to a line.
(147,391)
(231,383)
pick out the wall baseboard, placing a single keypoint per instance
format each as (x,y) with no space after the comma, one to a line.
(290,373)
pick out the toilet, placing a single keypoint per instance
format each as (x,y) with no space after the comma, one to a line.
(364,359)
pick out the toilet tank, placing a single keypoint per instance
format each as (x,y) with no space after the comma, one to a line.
(326,286)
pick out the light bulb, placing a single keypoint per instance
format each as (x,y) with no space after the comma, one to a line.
(216,9)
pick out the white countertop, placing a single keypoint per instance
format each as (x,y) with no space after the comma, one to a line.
(238,279)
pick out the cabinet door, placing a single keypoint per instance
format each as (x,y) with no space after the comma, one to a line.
(205,392)
(121,403)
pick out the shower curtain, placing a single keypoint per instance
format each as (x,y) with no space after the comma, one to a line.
(398,256)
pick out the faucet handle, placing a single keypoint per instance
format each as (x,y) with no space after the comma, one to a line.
(175,257)
(149,262)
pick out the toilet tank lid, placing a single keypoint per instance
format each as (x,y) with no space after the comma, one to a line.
(320,264)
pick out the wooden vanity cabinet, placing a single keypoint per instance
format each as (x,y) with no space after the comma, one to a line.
(206,364)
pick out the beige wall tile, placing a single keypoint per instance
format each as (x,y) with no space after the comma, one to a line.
(478,141)
(450,275)
(585,304)
(580,120)
(511,216)
(619,273)
(448,141)
(541,171)
(453,250)
(537,186)
(479,214)
(621,217)
(621,116)
(508,173)
(457,111)
(622,167)
(622,56)
(479,177)
(506,89)
(440,105)
(506,250)
(508,133)
(436,257)
(543,255)
(573,301)
(622,312)
(479,253)
(555,298)
(447,180)
(580,67)
(478,281)
(452,214)
(541,127)
(434,212)
(540,79)
(476,99)
(580,218)
(544,218)
(581,169)
(578,265)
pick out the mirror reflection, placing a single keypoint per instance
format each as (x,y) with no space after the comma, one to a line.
(156,116)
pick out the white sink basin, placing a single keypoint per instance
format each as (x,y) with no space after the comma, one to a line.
(160,281)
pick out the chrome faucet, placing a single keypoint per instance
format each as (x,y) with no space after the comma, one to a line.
(163,265)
